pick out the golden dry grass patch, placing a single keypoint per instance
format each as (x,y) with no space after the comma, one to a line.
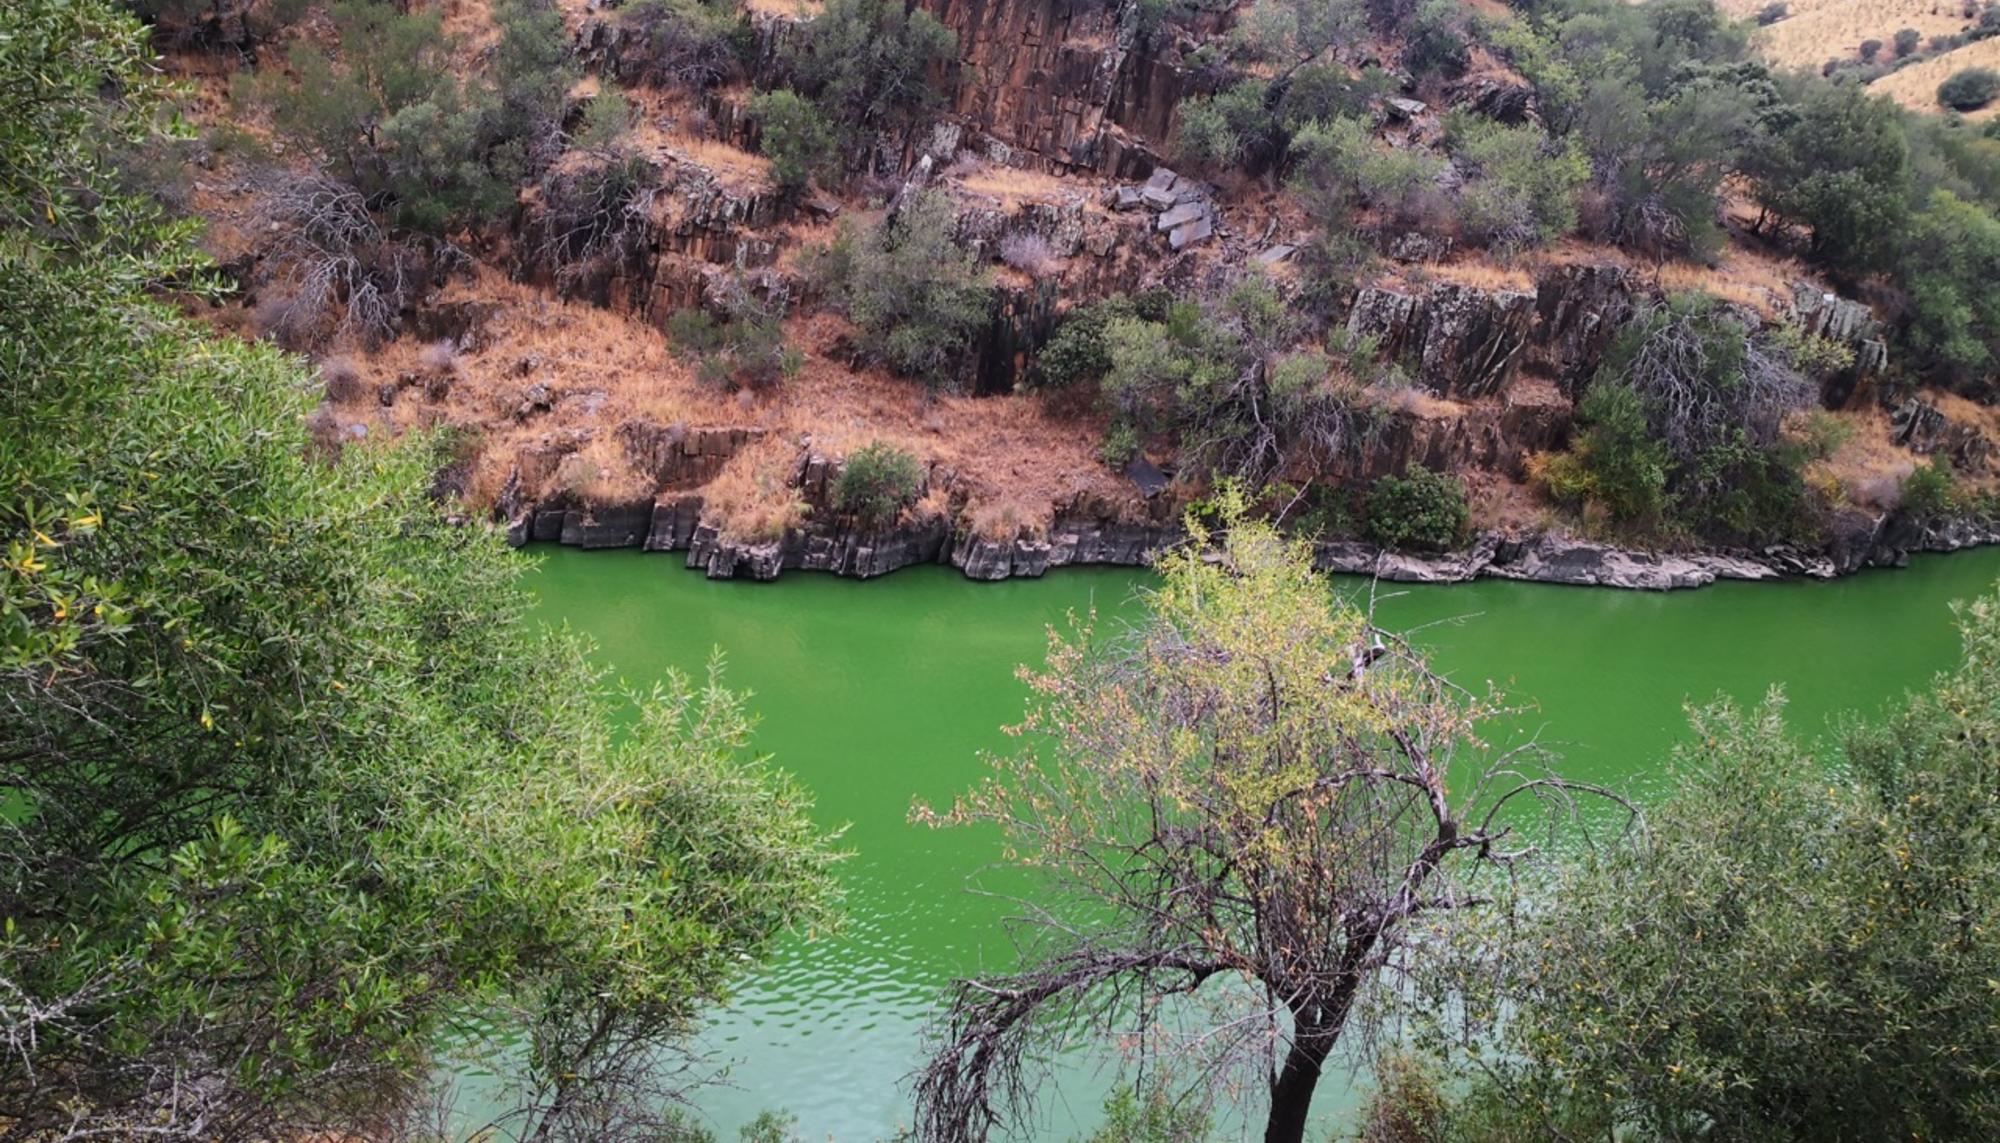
(1837,31)
(797,9)
(1012,458)
(1915,87)
(1016,185)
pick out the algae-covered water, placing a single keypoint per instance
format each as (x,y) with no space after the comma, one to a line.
(880,692)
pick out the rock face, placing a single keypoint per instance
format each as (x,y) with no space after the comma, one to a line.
(1467,342)
(1068,80)
(1924,429)
(1578,309)
(673,524)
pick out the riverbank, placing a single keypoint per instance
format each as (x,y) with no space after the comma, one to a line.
(1855,541)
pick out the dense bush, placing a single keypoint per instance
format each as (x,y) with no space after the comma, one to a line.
(867,64)
(1952,254)
(1420,510)
(796,137)
(744,344)
(693,44)
(1682,427)
(1615,466)
(1906,41)
(876,482)
(1970,89)
(253,698)
(1928,492)
(391,115)
(1080,350)
(1521,186)
(1214,376)
(914,294)
(1338,167)
(1799,945)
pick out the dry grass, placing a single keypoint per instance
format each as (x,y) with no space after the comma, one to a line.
(1012,459)
(1915,87)
(802,9)
(1817,30)
(1868,468)
(1013,185)
(752,499)
(670,125)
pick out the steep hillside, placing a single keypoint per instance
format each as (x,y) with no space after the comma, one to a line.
(661,267)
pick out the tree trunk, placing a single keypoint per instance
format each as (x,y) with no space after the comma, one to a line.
(1292,1092)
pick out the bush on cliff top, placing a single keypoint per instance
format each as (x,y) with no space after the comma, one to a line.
(876,483)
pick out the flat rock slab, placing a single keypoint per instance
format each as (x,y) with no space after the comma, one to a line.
(1161,179)
(1189,233)
(1180,216)
(1157,198)
(1273,255)
(1127,198)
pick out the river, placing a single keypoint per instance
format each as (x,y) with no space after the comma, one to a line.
(874,693)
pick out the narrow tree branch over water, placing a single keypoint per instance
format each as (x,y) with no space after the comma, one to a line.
(1255,786)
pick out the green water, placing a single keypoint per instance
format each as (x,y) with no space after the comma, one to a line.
(875,693)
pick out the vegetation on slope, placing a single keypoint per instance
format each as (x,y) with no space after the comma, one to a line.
(294,793)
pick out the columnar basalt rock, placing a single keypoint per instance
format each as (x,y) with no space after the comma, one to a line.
(1068,80)
(1467,342)
(1578,309)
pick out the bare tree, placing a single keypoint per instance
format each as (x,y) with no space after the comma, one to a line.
(340,272)
(1255,801)
(593,216)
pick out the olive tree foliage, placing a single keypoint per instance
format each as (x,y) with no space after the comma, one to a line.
(1238,810)
(1800,947)
(389,112)
(1218,377)
(915,294)
(292,783)
(868,65)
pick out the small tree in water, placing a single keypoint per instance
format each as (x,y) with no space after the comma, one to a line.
(1243,802)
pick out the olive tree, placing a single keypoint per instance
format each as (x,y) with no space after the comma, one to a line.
(293,786)
(1800,946)
(1249,801)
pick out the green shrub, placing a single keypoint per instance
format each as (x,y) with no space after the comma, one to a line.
(1970,89)
(684,43)
(1080,349)
(745,344)
(868,64)
(1929,491)
(1227,129)
(1831,940)
(795,137)
(387,110)
(1152,1118)
(1524,185)
(1906,41)
(876,483)
(1616,466)
(1421,510)
(914,294)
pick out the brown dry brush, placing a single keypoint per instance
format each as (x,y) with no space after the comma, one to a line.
(338,272)
(594,218)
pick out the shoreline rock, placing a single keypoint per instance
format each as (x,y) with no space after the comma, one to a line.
(674,524)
